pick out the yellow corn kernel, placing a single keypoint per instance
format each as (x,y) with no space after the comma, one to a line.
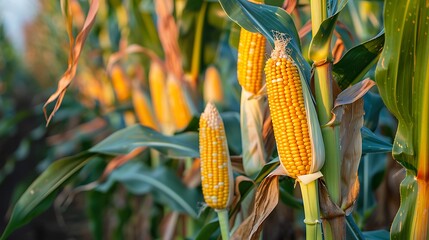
(213,91)
(216,170)
(286,102)
(143,108)
(158,92)
(121,84)
(180,107)
(250,63)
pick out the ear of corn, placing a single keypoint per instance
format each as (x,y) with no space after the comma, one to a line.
(121,84)
(143,108)
(250,63)
(216,170)
(295,123)
(158,92)
(213,91)
(180,103)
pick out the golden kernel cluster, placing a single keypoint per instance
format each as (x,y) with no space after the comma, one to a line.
(181,111)
(286,102)
(215,172)
(250,63)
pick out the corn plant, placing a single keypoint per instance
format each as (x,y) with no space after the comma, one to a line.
(291,110)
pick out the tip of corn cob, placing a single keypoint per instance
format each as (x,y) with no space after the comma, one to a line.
(280,46)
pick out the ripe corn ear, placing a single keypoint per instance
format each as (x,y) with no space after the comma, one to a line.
(216,170)
(295,123)
(143,109)
(180,103)
(121,84)
(158,92)
(250,63)
(250,66)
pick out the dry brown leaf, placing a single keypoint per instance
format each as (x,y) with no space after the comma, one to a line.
(237,164)
(169,35)
(74,53)
(351,151)
(348,110)
(304,30)
(119,161)
(331,214)
(235,206)
(354,92)
(266,199)
(349,96)
(338,50)
(133,48)
(290,5)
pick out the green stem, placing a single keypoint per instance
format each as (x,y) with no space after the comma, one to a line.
(310,198)
(319,12)
(155,158)
(324,104)
(223,222)
(196,53)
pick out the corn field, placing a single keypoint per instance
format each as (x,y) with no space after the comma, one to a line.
(198,119)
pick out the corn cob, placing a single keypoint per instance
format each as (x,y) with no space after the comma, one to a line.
(179,104)
(158,86)
(213,91)
(120,84)
(143,108)
(290,111)
(250,62)
(216,170)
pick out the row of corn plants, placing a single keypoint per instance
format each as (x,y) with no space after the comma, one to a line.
(278,104)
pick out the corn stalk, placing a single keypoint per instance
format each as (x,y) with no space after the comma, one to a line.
(403,80)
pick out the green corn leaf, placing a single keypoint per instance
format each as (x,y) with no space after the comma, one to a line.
(357,61)
(287,187)
(267,169)
(267,20)
(402,76)
(320,44)
(162,182)
(372,170)
(126,140)
(39,196)
(208,230)
(373,106)
(352,230)
(376,235)
(372,143)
